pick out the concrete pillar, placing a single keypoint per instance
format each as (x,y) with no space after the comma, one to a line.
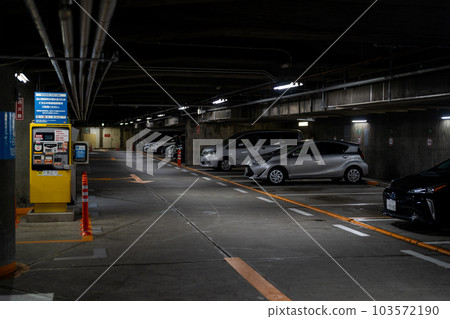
(7,173)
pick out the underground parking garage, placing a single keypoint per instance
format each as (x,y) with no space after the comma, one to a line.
(225,151)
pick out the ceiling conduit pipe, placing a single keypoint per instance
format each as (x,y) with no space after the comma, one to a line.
(113,58)
(85,26)
(65,18)
(105,14)
(48,47)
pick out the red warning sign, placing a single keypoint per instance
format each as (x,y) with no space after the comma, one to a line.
(19,109)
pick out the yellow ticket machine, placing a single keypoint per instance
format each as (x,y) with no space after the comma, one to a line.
(50,167)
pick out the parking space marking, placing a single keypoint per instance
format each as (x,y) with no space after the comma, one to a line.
(176,167)
(98,253)
(427,258)
(350,230)
(183,170)
(296,210)
(221,184)
(265,199)
(328,194)
(28,297)
(353,204)
(206,178)
(240,190)
(194,174)
(437,242)
(256,280)
(375,219)
(337,216)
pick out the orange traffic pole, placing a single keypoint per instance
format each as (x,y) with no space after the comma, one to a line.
(85,222)
(179,158)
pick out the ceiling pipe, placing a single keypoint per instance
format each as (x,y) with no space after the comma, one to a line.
(105,15)
(48,47)
(85,27)
(66,21)
(99,85)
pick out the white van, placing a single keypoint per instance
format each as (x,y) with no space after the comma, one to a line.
(237,150)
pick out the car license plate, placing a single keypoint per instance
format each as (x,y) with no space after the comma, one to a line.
(391,205)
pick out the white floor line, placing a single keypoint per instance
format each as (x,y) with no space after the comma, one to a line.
(183,170)
(195,174)
(355,204)
(265,199)
(176,167)
(351,230)
(367,219)
(98,253)
(240,190)
(427,258)
(206,178)
(296,210)
(437,242)
(221,184)
(27,297)
(328,194)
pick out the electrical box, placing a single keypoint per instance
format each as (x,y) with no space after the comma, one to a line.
(50,166)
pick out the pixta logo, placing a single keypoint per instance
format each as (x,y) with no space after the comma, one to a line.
(144,145)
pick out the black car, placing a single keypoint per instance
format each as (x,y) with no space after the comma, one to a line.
(422,197)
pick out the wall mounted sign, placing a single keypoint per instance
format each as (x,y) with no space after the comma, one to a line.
(50,108)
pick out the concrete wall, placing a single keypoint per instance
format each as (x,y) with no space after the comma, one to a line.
(409,132)
(102,137)
(224,130)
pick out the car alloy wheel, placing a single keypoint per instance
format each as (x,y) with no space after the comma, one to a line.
(353,175)
(277,176)
(225,165)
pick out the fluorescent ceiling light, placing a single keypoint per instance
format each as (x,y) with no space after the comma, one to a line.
(149,118)
(219,101)
(121,123)
(126,123)
(447,117)
(303,123)
(21,77)
(183,108)
(359,121)
(131,122)
(161,115)
(103,124)
(138,120)
(288,86)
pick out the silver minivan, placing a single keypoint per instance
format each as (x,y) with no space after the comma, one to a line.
(311,159)
(238,150)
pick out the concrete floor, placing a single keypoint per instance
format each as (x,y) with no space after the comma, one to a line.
(146,247)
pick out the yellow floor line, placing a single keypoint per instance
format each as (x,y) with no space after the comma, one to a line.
(256,280)
(50,241)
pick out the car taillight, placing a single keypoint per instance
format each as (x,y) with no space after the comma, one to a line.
(361,154)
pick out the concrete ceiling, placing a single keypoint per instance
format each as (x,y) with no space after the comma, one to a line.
(200,50)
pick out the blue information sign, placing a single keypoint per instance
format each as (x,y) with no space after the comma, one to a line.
(7,136)
(80,153)
(50,107)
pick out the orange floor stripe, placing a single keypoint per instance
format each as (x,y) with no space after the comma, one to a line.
(50,241)
(256,280)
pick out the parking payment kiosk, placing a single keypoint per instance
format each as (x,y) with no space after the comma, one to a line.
(50,167)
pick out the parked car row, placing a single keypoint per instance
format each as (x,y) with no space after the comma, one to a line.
(277,156)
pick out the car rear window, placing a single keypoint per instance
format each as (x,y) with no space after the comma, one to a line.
(331,148)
